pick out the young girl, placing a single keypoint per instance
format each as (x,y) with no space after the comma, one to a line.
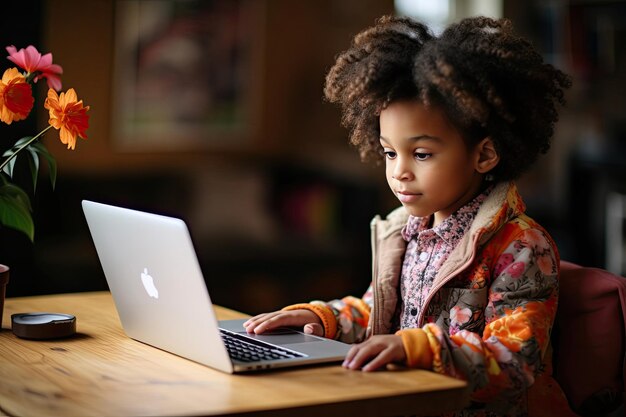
(464,283)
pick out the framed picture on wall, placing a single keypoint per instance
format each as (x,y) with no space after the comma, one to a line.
(185,74)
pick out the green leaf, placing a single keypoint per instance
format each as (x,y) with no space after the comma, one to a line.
(52,164)
(11,155)
(21,141)
(15,209)
(8,168)
(33,162)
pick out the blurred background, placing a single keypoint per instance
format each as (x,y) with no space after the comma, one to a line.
(213,111)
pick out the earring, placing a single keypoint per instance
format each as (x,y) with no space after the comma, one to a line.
(489,177)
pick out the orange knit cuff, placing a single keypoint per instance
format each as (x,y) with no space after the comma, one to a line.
(417,348)
(325,314)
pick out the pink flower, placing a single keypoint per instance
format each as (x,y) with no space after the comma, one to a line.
(503,261)
(496,296)
(460,315)
(471,338)
(345,325)
(33,62)
(547,264)
(516,269)
(538,240)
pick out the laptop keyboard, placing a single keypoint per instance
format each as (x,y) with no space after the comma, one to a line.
(250,350)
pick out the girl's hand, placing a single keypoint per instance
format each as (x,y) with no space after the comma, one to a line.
(306,319)
(375,352)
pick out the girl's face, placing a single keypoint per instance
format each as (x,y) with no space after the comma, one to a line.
(428,165)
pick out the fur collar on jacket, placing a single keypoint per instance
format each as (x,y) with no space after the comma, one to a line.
(501,205)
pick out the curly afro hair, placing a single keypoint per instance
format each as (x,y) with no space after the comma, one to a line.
(488,81)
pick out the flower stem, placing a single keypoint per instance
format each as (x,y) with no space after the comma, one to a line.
(33,139)
(30,76)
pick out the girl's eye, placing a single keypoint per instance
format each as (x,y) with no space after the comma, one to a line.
(420,156)
(389,154)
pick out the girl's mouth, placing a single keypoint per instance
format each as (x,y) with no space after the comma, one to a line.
(407,197)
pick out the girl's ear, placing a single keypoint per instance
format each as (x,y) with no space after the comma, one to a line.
(487,156)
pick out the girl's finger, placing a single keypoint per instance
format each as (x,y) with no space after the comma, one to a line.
(360,358)
(314,329)
(361,354)
(256,321)
(275,320)
(383,358)
(350,356)
(280,319)
(252,321)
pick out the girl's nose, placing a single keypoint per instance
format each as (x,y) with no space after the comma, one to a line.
(401,170)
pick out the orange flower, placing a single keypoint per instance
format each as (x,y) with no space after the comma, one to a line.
(519,325)
(512,330)
(68,115)
(16,96)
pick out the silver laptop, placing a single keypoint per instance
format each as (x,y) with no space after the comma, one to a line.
(153,273)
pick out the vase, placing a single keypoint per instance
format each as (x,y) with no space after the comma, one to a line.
(4,279)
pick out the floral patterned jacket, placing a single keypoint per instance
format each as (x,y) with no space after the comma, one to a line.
(490,311)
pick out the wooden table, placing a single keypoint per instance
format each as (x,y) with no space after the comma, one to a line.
(101,371)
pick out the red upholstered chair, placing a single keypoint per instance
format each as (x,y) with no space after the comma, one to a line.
(589,339)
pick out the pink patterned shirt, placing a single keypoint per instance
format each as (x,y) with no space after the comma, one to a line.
(427,249)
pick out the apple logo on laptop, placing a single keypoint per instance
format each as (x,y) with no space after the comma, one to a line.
(148,284)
